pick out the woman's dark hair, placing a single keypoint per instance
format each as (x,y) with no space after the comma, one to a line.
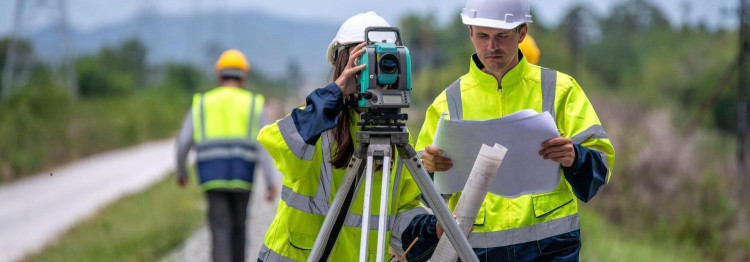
(341,133)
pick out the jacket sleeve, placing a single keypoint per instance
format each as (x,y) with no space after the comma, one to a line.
(424,227)
(183,144)
(292,140)
(431,119)
(320,113)
(595,154)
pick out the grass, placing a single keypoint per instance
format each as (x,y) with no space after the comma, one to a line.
(605,241)
(145,226)
(148,225)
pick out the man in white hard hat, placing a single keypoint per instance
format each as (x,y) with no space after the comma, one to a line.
(500,81)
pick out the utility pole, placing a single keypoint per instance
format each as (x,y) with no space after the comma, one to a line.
(69,57)
(575,39)
(12,64)
(742,107)
(10,52)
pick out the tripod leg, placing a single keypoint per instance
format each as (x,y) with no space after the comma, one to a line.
(366,210)
(435,201)
(334,220)
(384,203)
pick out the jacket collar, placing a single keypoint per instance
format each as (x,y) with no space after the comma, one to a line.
(485,80)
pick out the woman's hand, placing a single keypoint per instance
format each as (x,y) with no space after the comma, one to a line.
(346,81)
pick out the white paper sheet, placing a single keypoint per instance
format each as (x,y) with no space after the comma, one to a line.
(523,170)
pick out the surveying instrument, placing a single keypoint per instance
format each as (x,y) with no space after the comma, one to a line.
(384,88)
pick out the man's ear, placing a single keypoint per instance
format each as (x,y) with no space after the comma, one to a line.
(522,33)
(471,31)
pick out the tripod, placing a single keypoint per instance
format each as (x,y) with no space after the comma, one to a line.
(375,144)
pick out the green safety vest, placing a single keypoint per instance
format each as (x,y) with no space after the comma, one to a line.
(475,96)
(226,122)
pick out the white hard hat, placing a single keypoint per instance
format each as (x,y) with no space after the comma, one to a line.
(353,31)
(503,14)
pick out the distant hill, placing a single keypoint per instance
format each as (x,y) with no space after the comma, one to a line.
(270,43)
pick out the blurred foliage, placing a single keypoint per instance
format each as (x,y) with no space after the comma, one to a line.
(675,175)
(112,71)
(122,101)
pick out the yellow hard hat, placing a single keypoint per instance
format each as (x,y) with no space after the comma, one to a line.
(529,49)
(232,63)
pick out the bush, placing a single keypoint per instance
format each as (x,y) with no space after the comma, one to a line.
(32,125)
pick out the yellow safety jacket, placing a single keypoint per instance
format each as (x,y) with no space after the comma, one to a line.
(226,121)
(309,186)
(475,96)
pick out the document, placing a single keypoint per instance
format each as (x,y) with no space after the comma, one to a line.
(523,171)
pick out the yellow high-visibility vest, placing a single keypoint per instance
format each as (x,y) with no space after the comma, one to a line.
(226,121)
(309,186)
(475,96)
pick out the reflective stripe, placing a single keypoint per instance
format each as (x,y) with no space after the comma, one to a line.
(226,148)
(326,171)
(252,117)
(226,142)
(226,153)
(203,120)
(355,220)
(268,255)
(453,98)
(402,221)
(594,131)
(524,234)
(549,81)
(293,139)
(314,206)
(302,202)
(227,184)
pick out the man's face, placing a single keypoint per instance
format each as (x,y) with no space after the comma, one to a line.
(496,48)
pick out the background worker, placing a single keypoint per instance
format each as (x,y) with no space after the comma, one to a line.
(222,125)
(501,81)
(530,50)
(312,147)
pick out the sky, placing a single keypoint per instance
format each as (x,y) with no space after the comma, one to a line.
(90,14)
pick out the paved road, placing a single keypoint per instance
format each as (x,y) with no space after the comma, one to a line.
(35,210)
(261,214)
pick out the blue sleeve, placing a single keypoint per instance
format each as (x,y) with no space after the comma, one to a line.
(587,174)
(320,113)
(424,227)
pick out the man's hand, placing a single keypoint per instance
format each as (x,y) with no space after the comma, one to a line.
(346,81)
(560,150)
(434,161)
(182,181)
(271,193)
